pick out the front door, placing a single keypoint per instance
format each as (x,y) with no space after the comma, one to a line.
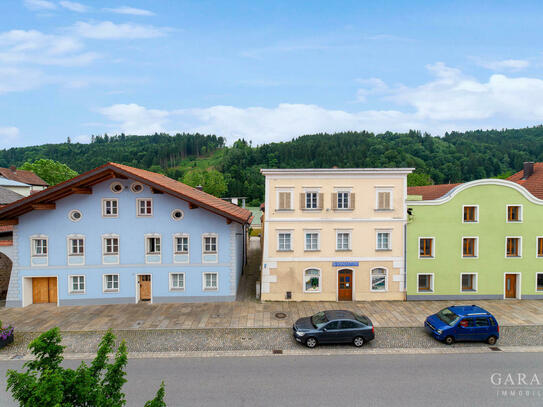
(145,287)
(44,290)
(510,286)
(345,285)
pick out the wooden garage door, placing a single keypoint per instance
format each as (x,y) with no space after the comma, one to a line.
(44,290)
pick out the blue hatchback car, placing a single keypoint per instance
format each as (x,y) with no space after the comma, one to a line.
(463,323)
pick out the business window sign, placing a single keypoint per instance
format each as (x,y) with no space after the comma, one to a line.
(344,264)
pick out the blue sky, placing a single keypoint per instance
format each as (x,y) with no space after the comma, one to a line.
(266,71)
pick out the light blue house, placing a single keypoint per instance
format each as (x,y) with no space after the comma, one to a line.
(117,234)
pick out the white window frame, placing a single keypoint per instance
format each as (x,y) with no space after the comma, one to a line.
(287,190)
(170,279)
(69,246)
(348,199)
(433,256)
(104,215)
(537,247)
(118,254)
(476,214)
(216,252)
(138,212)
(390,190)
(317,203)
(72,212)
(175,252)
(311,232)
(476,287)
(33,254)
(476,248)
(521,214)
(204,288)
(432,278)
(519,248)
(348,232)
(133,187)
(172,215)
(304,279)
(285,232)
(70,284)
(387,231)
(112,185)
(148,237)
(104,283)
(536,290)
(386,280)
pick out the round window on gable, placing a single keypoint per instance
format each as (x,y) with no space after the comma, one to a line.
(136,187)
(75,215)
(177,214)
(116,187)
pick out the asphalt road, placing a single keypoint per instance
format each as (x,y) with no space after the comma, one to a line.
(359,380)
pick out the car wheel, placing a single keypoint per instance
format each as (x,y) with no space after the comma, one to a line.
(449,340)
(311,342)
(491,340)
(358,341)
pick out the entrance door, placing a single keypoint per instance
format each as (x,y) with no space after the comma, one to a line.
(44,290)
(145,287)
(510,286)
(345,285)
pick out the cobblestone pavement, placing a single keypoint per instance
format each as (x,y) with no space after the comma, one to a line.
(246,312)
(194,340)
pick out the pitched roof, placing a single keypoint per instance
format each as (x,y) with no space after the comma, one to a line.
(534,183)
(7,196)
(11,183)
(26,177)
(431,192)
(158,182)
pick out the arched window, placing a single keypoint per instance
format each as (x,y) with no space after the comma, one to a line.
(312,281)
(379,279)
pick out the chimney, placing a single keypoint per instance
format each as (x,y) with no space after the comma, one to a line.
(13,168)
(199,188)
(528,169)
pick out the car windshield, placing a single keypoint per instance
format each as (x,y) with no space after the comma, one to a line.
(319,319)
(447,316)
(363,319)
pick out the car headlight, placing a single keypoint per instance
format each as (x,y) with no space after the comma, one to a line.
(439,331)
(300,333)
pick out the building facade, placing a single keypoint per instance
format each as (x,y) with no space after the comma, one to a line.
(334,234)
(478,240)
(117,234)
(21,181)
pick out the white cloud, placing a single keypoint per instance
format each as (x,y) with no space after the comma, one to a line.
(18,80)
(135,119)
(8,136)
(73,6)
(505,65)
(38,5)
(34,47)
(130,10)
(108,30)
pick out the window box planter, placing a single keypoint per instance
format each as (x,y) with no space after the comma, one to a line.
(6,336)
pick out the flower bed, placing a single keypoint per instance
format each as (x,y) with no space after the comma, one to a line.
(6,336)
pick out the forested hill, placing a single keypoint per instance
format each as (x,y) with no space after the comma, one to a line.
(455,157)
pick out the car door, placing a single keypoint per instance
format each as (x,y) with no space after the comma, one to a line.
(464,329)
(349,330)
(481,330)
(330,333)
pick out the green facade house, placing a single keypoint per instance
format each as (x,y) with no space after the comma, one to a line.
(478,240)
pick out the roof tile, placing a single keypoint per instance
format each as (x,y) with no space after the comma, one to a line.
(27,177)
(431,192)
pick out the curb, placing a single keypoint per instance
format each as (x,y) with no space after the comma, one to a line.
(298,352)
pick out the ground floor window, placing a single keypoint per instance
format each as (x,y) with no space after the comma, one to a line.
(425,282)
(177,281)
(211,281)
(378,279)
(111,282)
(312,280)
(539,282)
(469,282)
(77,284)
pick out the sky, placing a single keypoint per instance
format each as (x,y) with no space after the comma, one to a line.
(266,70)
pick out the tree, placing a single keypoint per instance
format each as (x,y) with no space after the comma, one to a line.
(46,383)
(52,172)
(212,181)
(416,179)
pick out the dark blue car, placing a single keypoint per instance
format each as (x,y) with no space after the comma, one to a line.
(463,323)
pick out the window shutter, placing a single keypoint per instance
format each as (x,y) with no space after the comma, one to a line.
(281,200)
(334,201)
(321,198)
(351,201)
(380,201)
(288,204)
(387,200)
(302,200)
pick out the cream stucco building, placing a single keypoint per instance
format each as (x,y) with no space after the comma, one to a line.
(334,234)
